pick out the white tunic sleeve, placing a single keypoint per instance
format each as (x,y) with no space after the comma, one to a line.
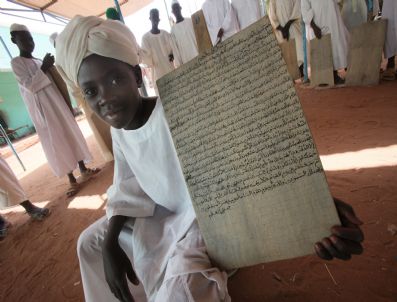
(125,196)
(175,50)
(307,11)
(28,79)
(273,14)
(146,52)
(296,11)
(230,23)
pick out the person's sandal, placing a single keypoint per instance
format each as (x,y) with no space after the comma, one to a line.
(39,213)
(73,189)
(4,229)
(87,174)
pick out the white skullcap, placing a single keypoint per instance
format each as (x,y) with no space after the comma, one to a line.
(84,36)
(53,38)
(174,2)
(18,27)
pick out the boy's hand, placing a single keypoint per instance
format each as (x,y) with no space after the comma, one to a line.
(117,266)
(48,62)
(171,57)
(346,239)
(316,30)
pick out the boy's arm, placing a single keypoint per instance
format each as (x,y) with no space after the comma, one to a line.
(31,82)
(346,239)
(116,263)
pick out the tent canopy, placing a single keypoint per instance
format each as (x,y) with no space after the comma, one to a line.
(69,8)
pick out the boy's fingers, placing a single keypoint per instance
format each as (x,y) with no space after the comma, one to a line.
(346,212)
(126,295)
(326,242)
(132,276)
(352,234)
(322,252)
(346,246)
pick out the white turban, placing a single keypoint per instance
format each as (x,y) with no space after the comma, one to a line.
(84,36)
(53,38)
(174,2)
(18,27)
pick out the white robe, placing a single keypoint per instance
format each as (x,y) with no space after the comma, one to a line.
(354,13)
(326,15)
(164,245)
(247,11)
(60,136)
(389,12)
(184,44)
(280,12)
(220,14)
(155,53)
(11,192)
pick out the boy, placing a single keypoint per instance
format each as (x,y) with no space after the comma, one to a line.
(12,194)
(285,17)
(247,11)
(157,49)
(323,17)
(184,44)
(62,141)
(149,211)
(221,20)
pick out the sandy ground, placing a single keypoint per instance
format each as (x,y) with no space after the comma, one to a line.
(355,132)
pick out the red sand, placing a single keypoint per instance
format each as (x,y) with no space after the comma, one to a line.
(355,131)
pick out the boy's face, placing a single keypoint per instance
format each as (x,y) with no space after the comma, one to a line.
(110,87)
(24,41)
(154,18)
(176,10)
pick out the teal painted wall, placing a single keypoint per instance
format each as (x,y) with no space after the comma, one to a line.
(11,104)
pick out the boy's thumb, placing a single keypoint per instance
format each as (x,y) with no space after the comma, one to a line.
(131,276)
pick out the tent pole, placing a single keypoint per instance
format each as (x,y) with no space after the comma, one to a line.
(4,134)
(116,3)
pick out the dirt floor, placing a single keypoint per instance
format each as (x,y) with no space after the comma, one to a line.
(355,130)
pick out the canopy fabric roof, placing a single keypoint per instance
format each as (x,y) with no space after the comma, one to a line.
(69,8)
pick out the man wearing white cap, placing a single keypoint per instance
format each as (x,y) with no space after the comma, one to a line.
(184,44)
(248,12)
(157,49)
(60,136)
(221,19)
(150,233)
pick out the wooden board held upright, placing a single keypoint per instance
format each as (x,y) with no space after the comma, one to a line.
(321,62)
(365,53)
(288,50)
(202,35)
(250,164)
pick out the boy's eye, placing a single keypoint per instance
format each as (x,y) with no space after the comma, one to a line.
(116,81)
(90,92)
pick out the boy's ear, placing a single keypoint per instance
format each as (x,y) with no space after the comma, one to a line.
(138,75)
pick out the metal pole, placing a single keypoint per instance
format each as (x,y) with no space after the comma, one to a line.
(168,14)
(4,133)
(5,47)
(305,73)
(116,3)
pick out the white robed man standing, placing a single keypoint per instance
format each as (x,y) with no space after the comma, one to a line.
(389,12)
(184,44)
(323,17)
(221,19)
(285,17)
(157,49)
(354,13)
(12,194)
(247,11)
(60,136)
